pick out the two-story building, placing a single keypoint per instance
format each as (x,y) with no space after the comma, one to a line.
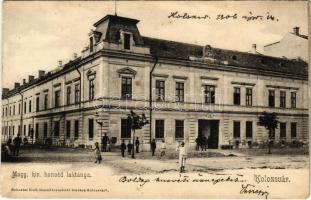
(184,90)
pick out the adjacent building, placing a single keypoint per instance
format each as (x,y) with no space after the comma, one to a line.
(292,46)
(184,90)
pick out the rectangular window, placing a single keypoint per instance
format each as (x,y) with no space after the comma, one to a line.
(76,129)
(6,111)
(56,128)
(13,109)
(45,101)
(236,129)
(25,106)
(249,96)
(127,41)
(91,44)
(179,129)
(271,98)
(13,129)
(283,99)
(77,93)
(237,96)
(282,130)
(249,129)
(57,98)
(91,129)
(91,89)
(19,108)
(293,130)
(37,104)
(19,131)
(37,130)
(68,95)
(67,129)
(126,90)
(179,92)
(45,129)
(160,90)
(125,129)
(30,131)
(30,106)
(25,130)
(159,128)
(209,94)
(10,111)
(293,99)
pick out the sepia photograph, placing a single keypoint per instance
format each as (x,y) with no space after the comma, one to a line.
(155,99)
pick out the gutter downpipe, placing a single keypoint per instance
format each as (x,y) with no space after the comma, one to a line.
(22,112)
(150,97)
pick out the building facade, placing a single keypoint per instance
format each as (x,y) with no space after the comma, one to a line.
(184,90)
(292,46)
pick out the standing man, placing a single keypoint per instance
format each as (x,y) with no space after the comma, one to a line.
(153,146)
(104,142)
(129,147)
(17,144)
(182,157)
(123,147)
(137,143)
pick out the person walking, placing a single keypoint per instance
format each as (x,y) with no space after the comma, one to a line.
(104,142)
(163,147)
(182,157)
(153,146)
(129,147)
(137,143)
(108,145)
(17,144)
(98,157)
(123,147)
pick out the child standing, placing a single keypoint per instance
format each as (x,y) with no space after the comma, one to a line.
(182,157)
(98,156)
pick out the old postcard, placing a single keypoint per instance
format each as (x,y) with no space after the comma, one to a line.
(155,99)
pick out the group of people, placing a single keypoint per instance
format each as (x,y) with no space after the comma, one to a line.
(106,143)
(13,146)
(201,142)
(130,147)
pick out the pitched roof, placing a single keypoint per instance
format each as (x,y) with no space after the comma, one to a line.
(178,50)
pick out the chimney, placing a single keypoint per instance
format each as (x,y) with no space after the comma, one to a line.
(16,85)
(24,81)
(60,63)
(296,30)
(253,49)
(75,56)
(31,78)
(5,91)
(41,73)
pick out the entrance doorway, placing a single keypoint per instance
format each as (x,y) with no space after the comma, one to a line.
(209,129)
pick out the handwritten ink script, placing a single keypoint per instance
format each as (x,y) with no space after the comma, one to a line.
(250,16)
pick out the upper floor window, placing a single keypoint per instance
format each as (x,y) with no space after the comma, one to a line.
(30,106)
(283,99)
(237,96)
(209,94)
(10,111)
(179,92)
(45,101)
(25,107)
(126,88)
(271,98)
(91,89)
(57,98)
(293,99)
(249,96)
(160,90)
(19,108)
(68,95)
(127,41)
(91,44)
(37,104)
(77,93)
(6,111)
(13,109)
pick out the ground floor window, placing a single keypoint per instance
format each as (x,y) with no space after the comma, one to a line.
(282,130)
(56,129)
(45,129)
(293,130)
(179,129)
(37,130)
(236,129)
(68,129)
(249,129)
(91,129)
(159,129)
(125,129)
(76,129)
(24,130)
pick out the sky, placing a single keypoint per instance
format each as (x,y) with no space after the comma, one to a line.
(36,35)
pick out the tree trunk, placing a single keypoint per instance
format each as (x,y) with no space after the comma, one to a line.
(133,147)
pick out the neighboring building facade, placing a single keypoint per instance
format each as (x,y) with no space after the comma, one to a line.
(195,89)
(292,46)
